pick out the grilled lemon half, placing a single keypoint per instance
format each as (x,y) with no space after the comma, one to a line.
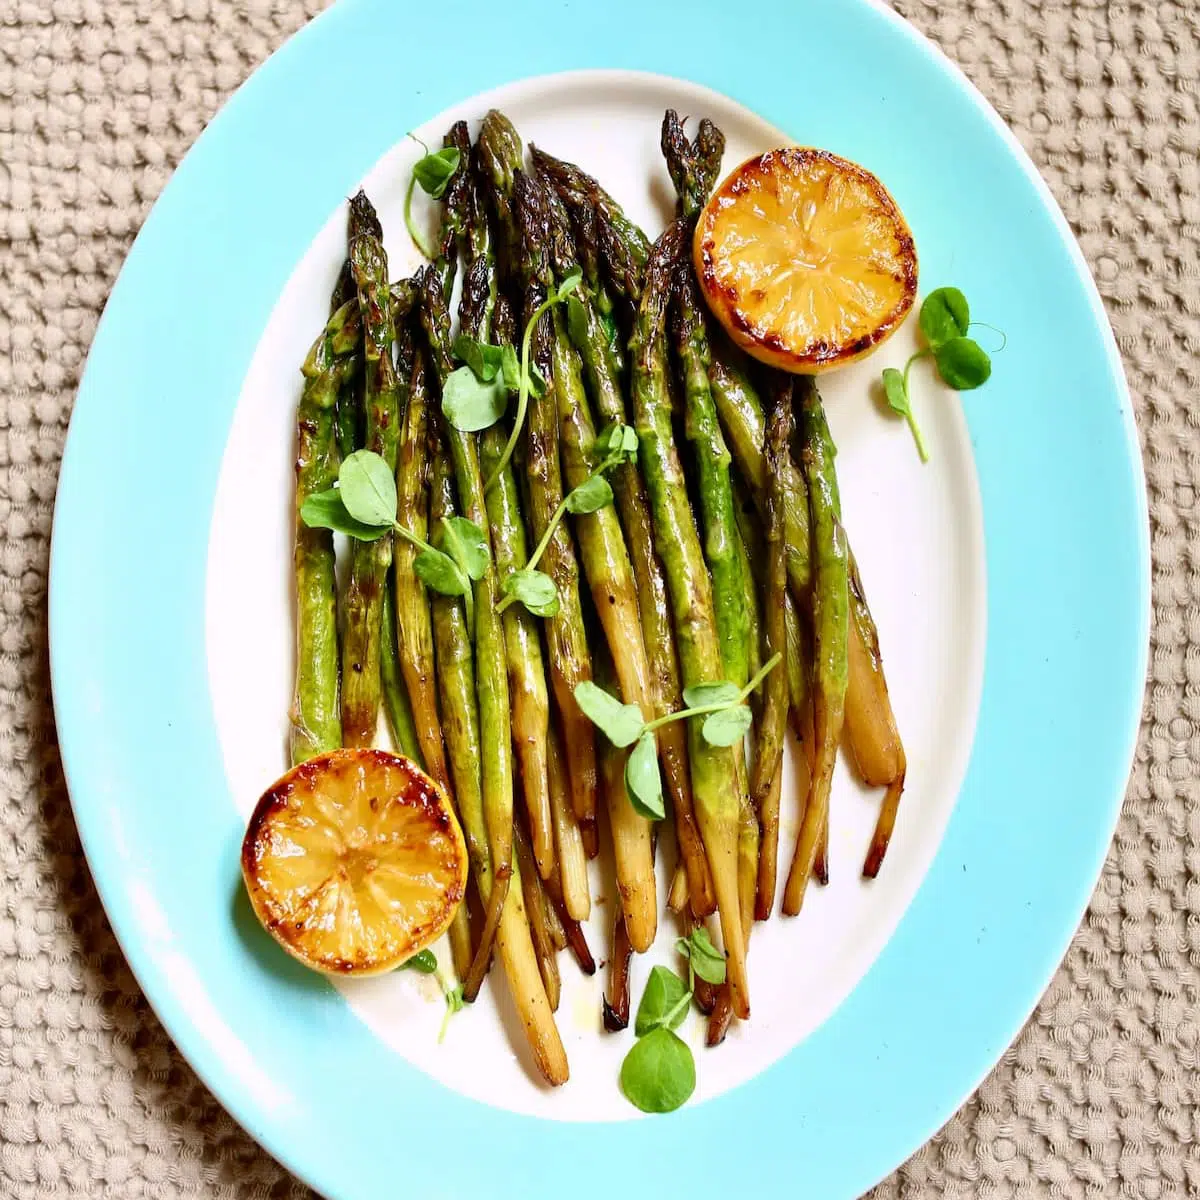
(805,259)
(354,861)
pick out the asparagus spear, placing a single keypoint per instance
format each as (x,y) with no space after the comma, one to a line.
(491,676)
(347,412)
(461,723)
(831,621)
(370,561)
(404,734)
(413,629)
(678,897)
(316,724)
(606,560)
(537,906)
(865,663)
(523,651)
(870,723)
(459,709)
(615,1003)
(526,670)
(603,376)
(797,662)
(581,217)
(395,697)
(714,783)
(632,838)
(768,760)
(693,170)
(571,876)
(693,166)
(457,202)
(602,549)
(554,921)
(624,248)
(692,180)
(348,417)
(569,657)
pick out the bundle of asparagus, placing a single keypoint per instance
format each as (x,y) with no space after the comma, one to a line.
(478,648)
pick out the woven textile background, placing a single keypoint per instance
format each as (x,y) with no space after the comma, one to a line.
(1100,1097)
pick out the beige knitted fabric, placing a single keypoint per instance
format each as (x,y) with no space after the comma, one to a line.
(99,99)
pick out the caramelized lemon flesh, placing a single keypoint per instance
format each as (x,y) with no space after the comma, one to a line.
(805,259)
(354,861)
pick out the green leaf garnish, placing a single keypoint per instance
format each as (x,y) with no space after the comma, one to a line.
(363,506)
(434,173)
(424,962)
(659,1073)
(643,783)
(570,281)
(703,957)
(576,319)
(534,589)
(368,489)
(435,170)
(464,541)
(483,358)
(325,510)
(727,727)
(895,387)
(621,723)
(963,364)
(944,315)
(470,403)
(441,573)
(510,371)
(590,496)
(706,695)
(617,443)
(664,1002)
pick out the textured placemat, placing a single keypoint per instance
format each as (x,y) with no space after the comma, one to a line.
(99,99)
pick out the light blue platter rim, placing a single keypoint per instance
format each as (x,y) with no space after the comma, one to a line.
(1067,551)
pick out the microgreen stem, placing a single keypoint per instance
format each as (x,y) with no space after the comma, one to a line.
(463,577)
(1003,335)
(412,538)
(523,391)
(555,520)
(683,1002)
(704,710)
(413,232)
(927,353)
(766,669)
(918,436)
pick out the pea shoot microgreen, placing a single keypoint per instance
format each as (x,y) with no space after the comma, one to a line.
(659,1072)
(424,962)
(454,1003)
(362,505)
(664,1002)
(722,704)
(434,173)
(535,589)
(703,958)
(961,362)
(525,381)
(476,394)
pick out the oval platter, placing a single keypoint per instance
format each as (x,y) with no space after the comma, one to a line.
(1010,579)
